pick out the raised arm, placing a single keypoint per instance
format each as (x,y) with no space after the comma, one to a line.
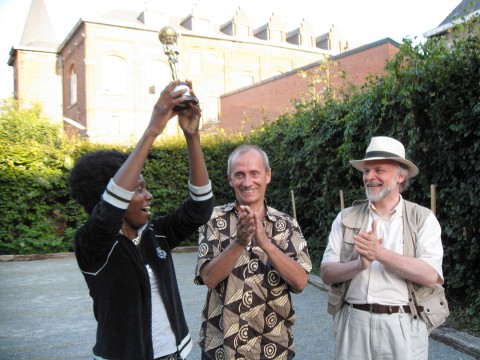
(127,176)
(189,120)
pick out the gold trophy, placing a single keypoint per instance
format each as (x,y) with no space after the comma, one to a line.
(168,37)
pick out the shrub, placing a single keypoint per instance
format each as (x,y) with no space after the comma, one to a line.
(429,100)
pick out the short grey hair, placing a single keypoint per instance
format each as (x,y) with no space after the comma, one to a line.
(402,170)
(243,149)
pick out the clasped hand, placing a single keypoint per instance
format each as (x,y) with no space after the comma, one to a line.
(250,228)
(368,245)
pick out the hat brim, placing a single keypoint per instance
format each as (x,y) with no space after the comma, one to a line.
(412,169)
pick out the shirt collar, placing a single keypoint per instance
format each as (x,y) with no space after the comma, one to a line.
(397,210)
(136,240)
(268,213)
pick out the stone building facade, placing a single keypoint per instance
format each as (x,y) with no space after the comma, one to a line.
(104,77)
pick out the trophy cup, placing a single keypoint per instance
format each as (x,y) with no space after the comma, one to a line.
(168,37)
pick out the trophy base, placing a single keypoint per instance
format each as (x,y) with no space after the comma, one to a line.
(190,99)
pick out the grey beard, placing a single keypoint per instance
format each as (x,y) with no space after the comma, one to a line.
(380,196)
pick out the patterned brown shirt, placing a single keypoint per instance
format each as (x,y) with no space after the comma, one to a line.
(249,315)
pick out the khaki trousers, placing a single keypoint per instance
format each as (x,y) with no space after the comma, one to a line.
(361,335)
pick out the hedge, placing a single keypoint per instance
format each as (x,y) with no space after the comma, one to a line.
(429,99)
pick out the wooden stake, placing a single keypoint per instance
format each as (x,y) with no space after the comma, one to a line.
(342,204)
(293,205)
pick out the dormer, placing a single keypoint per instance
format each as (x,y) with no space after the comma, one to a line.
(152,18)
(333,40)
(240,25)
(199,20)
(302,36)
(274,30)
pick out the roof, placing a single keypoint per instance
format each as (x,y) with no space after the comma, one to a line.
(39,30)
(465,8)
(366,47)
(464,11)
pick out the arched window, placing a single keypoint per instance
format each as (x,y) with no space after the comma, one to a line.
(114,75)
(157,75)
(73,86)
(211,113)
(195,59)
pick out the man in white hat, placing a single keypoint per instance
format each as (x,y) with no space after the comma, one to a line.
(378,252)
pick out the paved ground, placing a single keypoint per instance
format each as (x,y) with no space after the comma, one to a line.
(46,314)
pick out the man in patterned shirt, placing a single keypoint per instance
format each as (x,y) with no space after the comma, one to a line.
(250,257)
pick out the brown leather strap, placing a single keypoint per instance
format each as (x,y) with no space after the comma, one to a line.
(383,309)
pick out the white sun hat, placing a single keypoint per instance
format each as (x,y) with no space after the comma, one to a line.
(385,148)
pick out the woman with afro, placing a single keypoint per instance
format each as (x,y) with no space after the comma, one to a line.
(124,255)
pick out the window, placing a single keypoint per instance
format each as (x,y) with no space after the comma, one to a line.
(73,86)
(211,113)
(245,79)
(195,63)
(114,75)
(157,75)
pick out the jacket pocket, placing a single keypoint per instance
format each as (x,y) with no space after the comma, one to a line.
(435,306)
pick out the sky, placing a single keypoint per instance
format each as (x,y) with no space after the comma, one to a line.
(359,21)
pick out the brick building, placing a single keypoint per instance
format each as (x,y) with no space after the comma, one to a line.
(102,79)
(246,108)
